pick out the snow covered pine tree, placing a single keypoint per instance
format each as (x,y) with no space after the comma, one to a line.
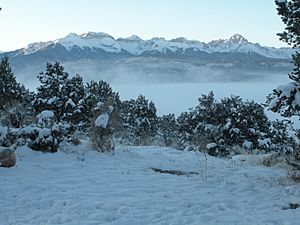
(285,99)
(56,94)
(101,91)
(168,130)
(51,94)
(226,126)
(10,89)
(140,120)
(11,97)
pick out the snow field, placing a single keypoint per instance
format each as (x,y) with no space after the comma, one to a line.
(79,186)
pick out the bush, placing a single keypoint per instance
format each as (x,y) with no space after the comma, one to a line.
(13,116)
(7,136)
(46,135)
(45,141)
(101,133)
(294,160)
(228,123)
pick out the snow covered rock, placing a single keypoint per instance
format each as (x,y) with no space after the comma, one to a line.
(212,149)
(7,158)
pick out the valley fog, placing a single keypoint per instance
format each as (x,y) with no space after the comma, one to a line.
(179,97)
(169,93)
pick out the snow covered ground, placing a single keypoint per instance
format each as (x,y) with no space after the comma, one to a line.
(79,186)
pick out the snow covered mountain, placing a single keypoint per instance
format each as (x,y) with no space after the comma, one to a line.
(98,56)
(100,43)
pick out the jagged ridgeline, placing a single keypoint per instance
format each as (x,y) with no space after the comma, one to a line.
(101,56)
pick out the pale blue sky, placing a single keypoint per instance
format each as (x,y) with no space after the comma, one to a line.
(26,21)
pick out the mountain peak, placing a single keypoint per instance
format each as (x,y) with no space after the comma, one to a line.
(237,38)
(179,39)
(134,38)
(157,39)
(71,35)
(90,35)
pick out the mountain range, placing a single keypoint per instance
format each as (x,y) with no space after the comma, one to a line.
(96,55)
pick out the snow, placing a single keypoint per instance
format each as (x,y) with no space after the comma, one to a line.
(91,40)
(71,103)
(252,159)
(102,120)
(211,145)
(110,108)
(228,124)
(44,132)
(34,47)
(133,38)
(46,114)
(3,132)
(100,104)
(52,100)
(78,186)
(247,144)
(286,89)
(28,130)
(264,142)
(136,46)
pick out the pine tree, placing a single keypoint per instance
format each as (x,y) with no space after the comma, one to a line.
(289,10)
(140,120)
(74,106)
(10,89)
(98,92)
(282,139)
(51,93)
(225,124)
(242,121)
(168,130)
(286,98)
(101,92)
(199,126)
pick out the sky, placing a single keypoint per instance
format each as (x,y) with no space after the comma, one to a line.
(23,22)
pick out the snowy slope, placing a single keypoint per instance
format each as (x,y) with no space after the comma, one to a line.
(134,45)
(85,187)
(238,43)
